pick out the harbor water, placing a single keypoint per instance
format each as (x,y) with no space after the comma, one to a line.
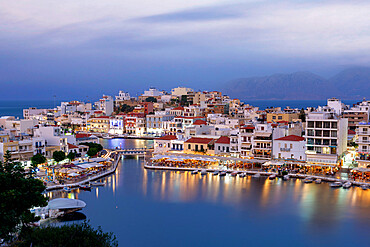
(170,208)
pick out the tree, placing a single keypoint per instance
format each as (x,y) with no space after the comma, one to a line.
(94,148)
(58,156)
(126,108)
(302,115)
(38,159)
(71,156)
(19,191)
(151,99)
(67,235)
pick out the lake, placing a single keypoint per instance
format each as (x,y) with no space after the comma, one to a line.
(168,208)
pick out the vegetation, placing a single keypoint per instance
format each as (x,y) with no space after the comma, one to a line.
(38,159)
(151,99)
(71,156)
(67,235)
(58,156)
(302,115)
(126,108)
(19,191)
(94,148)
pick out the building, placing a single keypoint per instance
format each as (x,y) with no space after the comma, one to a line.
(245,138)
(53,137)
(357,114)
(262,141)
(180,91)
(197,145)
(222,145)
(155,123)
(98,124)
(163,144)
(274,117)
(326,137)
(289,147)
(363,141)
(105,104)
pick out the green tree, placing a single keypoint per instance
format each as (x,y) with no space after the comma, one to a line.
(67,235)
(58,156)
(151,99)
(71,156)
(126,108)
(94,148)
(38,159)
(19,191)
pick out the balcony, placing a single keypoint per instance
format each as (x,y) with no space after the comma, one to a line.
(363,133)
(363,141)
(261,147)
(285,149)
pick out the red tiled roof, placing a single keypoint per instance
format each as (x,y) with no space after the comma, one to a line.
(199,122)
(223,140)
(292,138)
(106,117)
(167,137)
(82,136)
(199,140)
(248,127)
(178,108)
(71,146)
(351,132)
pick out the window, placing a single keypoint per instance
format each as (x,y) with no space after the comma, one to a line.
(310,133)
(280,117)
(310,124)
(327,125)
(273,117)
(334,125)
(291,146)
(189,146)
(318,124)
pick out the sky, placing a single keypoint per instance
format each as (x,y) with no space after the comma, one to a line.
(75,49)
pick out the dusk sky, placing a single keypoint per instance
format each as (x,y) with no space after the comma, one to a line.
(75,48)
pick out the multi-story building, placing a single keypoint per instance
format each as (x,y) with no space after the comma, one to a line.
(326,137)
(155,123)
(179,91)
(98,124)
(105,104)
(289,147)
(282,116)
(52,136)
(357,114)
(245,139)
(262,141)
(363,142)
(135,124)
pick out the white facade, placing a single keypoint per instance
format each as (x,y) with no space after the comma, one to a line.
(152,92)
(363,141)
(52,136)
(122,96)
(289,147)
(105,104)
(179,91)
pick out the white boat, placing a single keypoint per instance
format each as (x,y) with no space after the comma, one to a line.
(234,174)
(364,187)
(286,177)
(97,183)
(215,173)
(242,175)
(194,171)
(336,184)
(67,189)
(318,181)
(222,174)
(257,175)
(203,172)
(308,180)
(347,185)
(273,176)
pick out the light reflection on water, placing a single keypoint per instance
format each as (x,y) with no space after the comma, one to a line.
(223,211)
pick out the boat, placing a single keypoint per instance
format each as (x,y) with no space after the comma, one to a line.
(257,175)
(273,176)
(58,207)
(308,180)
(67,189)
(85,187)
(97,183)
(234,174)
(215,173)
(194,171)
(347,185)
(336,184)
(222,174)
(286,177)
(229,171)
(203,172)
(242,175)
(318,181)
(364,187)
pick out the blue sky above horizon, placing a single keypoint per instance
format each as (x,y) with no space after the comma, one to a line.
(77,48)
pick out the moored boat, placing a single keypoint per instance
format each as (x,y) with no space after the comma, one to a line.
(257,175)
(308,180)
(203,172)
(85,187)
(215,173)
(242,175)
(347,185)
(336,184)
(95,183)
(273,176)
(286,177)
(234,174)
(195,171)
(364,187)
(222,174)
(67,189)
(318,181)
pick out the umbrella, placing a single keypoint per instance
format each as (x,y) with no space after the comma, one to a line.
(73,174)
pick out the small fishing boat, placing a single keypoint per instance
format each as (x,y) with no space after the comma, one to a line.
(242,175)
(85,187)
(67,189)
(229,171)
(308,180)
(203,172)
(273,176)
(257,175)
(347,185)
(215,173)
(195,172)
(234,174)
(336,184)
(364,187)
(286,177)
(95,183)
(222,174)
(318,181)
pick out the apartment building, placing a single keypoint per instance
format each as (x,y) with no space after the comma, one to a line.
(363,141)
(98,124)
(245,139)
(262,141)
(282,116)
(105,104)
(357,114)
(326,137)
(155,124)
(289,147)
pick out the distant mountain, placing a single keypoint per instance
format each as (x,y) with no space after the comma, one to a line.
(348,84)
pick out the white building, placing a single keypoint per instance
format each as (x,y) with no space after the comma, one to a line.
(363,141)
(105,104)
(116,126)
(163,144)
(152,92)
(122,96)
(222,145)
(326,137)
(289,147)
(336,105)
(179,91)
(52,136)
(156,124)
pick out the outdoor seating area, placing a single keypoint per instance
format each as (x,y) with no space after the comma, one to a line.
(360,174)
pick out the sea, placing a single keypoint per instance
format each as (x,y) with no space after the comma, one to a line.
(15,108)
(172,208)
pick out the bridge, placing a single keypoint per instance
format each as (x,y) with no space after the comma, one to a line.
(134,151)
